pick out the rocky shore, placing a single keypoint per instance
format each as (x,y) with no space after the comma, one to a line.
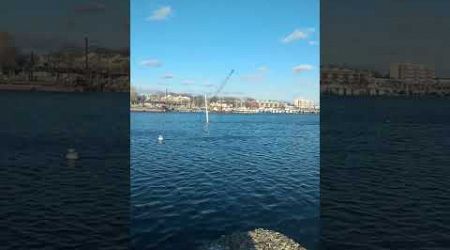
(258,239)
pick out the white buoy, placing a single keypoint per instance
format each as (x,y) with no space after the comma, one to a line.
(71,154)
(160,138)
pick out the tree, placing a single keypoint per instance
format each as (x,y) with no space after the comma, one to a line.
(199,101)
(214,99)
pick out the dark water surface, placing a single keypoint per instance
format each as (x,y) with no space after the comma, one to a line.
(239,173)
(385,173)
(48,202)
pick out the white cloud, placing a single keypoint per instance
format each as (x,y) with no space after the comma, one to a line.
(313,42)
(160,14)
(302,68)
(152,63)
(168,76)
(297,34)
(208,85)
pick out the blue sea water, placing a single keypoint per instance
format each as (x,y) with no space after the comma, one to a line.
(238,173)
(48,202)
(384,173)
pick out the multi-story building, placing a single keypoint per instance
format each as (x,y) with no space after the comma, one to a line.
(303,104)
(411,72)
(403,79)
(177,99)
(269,104)
(331,74)
(344,81)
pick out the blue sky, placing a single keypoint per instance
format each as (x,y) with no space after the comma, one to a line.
(191,45)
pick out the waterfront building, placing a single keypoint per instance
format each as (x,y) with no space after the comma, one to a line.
(332,74)
(303,104)
(176,99)
(270,104)
(251,104)
(220,106)
(403,79)
(411,72)
(336,80)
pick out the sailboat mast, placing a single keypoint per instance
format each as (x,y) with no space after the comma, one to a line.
(206,109)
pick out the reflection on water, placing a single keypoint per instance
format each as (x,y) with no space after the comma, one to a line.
(71,163)
(237,173)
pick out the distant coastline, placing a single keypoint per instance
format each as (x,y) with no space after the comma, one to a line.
(49,87)
(37,87)
(404,79)
(250,112)
(192,103)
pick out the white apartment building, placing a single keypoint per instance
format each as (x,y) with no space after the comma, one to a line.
(303,103)
(270,104)
(411,71)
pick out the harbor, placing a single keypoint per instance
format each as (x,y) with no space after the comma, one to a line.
(137,108)
(84,67)
(182,102)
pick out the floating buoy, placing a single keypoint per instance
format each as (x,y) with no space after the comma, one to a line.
(160,138)
(71,154)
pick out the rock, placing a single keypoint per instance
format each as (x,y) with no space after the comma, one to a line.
(258,239)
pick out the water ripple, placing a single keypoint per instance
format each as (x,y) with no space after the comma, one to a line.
(241,173)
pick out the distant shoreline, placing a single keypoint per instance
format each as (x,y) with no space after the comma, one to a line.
(37,87)
(134,110)
(49,88)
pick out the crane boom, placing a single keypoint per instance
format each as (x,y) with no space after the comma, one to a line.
(216,93)
(223,83)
